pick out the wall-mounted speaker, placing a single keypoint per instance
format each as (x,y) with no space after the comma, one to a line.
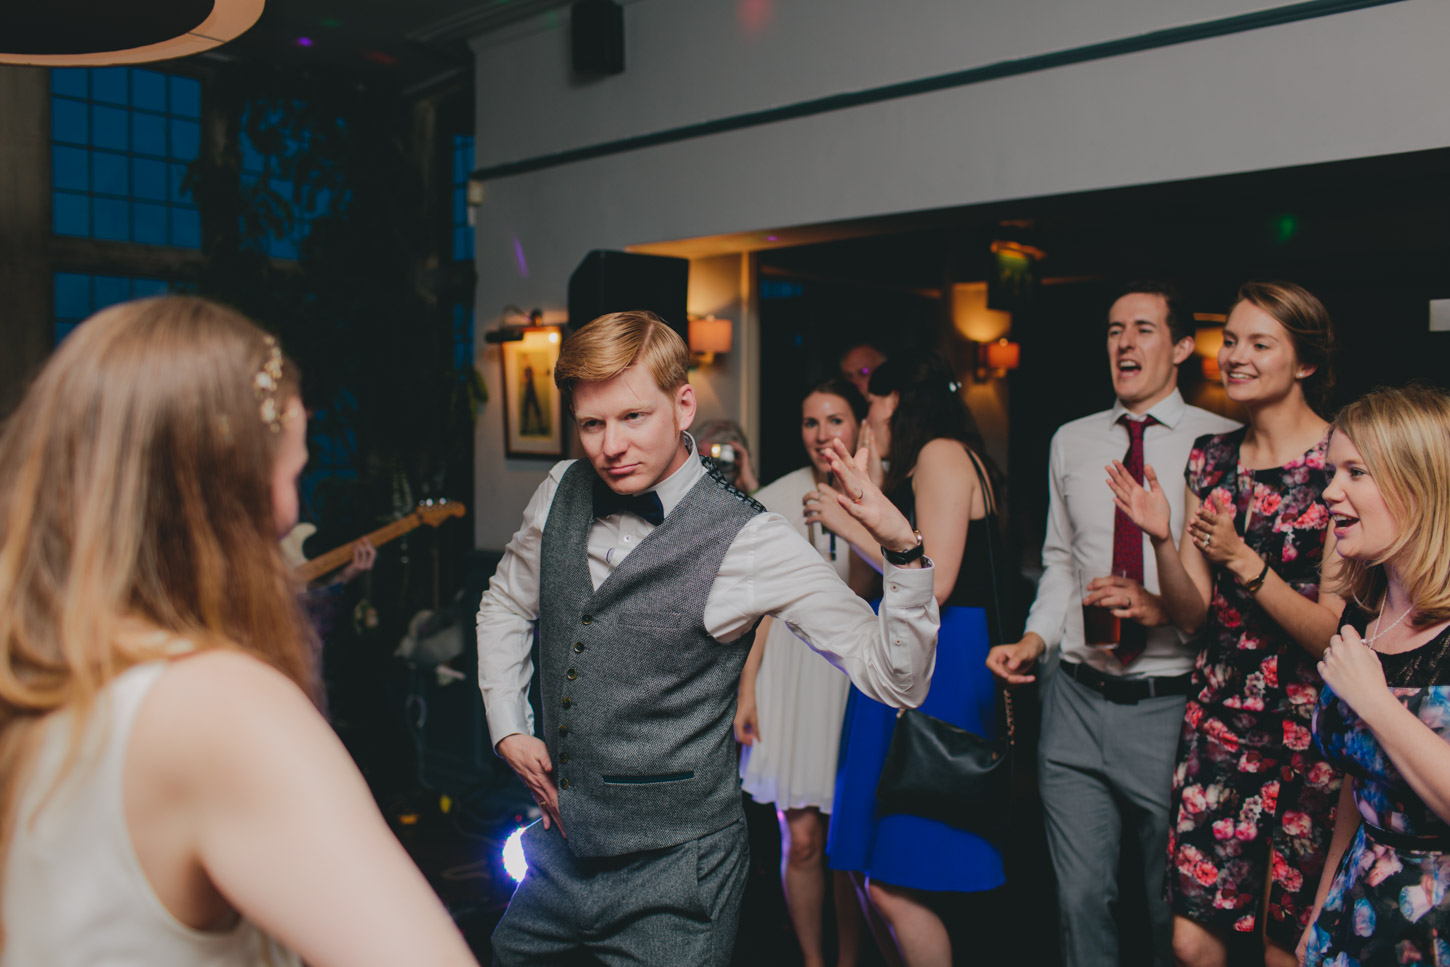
(596,36)
(621,281)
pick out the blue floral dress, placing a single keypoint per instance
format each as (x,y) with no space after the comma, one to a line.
(1253,802)
(1389,902)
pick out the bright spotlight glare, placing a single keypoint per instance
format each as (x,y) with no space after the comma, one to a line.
(513,855)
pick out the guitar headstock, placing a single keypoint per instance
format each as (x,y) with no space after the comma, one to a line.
(435,512)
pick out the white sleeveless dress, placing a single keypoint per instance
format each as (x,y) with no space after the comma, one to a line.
(800,697)
(75,893)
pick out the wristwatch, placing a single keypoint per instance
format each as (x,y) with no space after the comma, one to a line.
(903,558)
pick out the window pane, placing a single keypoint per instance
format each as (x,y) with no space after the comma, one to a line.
(185,140)
(150,221)
(113,219)
(68,121)
(148,134)
(178,178)
(63,329)
(148,90)
(70,214)
(145,288)
(185,97)
(148,179)
(70,81)
(111,289)
(109,173)
(282,248)
(109,128)
(72,295)
(186,227)
(108,84)
(70,168)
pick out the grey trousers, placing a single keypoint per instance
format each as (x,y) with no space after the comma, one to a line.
(679,905)
(1103,766)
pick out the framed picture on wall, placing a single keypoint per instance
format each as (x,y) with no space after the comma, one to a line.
(532,415)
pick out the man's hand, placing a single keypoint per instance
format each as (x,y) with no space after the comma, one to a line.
(1126,598)
(1009,662)
(864,501)
(747,719)
(529,757)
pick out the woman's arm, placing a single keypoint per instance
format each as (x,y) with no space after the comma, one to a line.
(1309,622)
(1346,824)
(234,783)
(1421,756)
(747,721)
(947,496)
(1184,582)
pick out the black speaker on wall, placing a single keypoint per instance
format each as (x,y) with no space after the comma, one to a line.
(621,281)
(596,35)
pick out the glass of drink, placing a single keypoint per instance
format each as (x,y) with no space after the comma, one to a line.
(1101,628)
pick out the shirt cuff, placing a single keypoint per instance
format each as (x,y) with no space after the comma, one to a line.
(504,724)
(908,587)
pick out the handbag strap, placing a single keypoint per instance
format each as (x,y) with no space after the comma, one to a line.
(989,500)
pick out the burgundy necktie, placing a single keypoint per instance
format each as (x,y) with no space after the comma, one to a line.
(1128,541)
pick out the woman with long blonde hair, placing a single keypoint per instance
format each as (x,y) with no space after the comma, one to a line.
(169,794)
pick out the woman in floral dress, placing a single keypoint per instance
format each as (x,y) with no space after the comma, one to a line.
(1253,800)
(1384,716)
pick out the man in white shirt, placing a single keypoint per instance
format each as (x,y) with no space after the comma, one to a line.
(1111,715)
(647,574)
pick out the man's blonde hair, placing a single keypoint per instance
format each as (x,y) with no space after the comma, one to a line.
(1403,435)
(609,345)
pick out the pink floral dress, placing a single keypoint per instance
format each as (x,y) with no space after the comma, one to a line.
(1253,800)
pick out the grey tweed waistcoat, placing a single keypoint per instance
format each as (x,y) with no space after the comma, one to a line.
(638,698)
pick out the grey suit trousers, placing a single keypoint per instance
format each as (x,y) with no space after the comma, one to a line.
(678,905)
(1103,766)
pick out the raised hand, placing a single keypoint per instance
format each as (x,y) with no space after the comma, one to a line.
(867,441)
(1146,506)
(529,757)
(864,501)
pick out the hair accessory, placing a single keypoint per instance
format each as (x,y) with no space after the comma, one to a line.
(265,383)
(954,386)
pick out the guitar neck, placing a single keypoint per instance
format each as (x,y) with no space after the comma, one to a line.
(340,556)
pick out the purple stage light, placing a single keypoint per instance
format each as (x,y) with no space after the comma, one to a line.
(304,41)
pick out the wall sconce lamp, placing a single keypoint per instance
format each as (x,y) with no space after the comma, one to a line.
(709,336)
(512,324)
(994,359)
(1208,340)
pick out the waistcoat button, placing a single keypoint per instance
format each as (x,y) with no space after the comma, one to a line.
(571,674)
(563,730)
(587,619)
(563,783)
(568,702)
(563,757)
(578,646)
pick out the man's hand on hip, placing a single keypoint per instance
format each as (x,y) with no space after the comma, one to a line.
(529,757)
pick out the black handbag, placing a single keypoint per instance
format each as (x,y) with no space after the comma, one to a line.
(940,771)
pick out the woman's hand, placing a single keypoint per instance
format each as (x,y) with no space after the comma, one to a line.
(364,555)
(1303,948)
(865,502)
(1148,508)
(867,441)
(1353,670)
(1212,531)
(823,507)
(747,718)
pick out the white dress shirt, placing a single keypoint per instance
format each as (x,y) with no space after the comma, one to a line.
(1080,527)
(768,569)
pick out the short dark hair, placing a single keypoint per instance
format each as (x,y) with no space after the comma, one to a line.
(1180,320)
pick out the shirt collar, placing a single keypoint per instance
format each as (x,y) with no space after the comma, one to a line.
(1167,411)
(673,488)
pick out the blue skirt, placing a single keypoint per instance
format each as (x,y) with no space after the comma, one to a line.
(899,848)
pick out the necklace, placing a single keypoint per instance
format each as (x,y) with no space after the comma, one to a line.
(1379,620)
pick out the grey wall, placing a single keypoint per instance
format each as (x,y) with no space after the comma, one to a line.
(1353,84)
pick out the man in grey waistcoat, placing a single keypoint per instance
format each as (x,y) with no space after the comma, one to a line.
(647,575)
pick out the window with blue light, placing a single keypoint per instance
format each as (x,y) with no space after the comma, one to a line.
(78,296)
(462,168)
(121,138)
(266,178)
(462,336)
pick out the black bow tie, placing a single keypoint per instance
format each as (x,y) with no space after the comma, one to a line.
(646,505)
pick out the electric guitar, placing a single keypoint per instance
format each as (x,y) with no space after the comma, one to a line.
(430,512)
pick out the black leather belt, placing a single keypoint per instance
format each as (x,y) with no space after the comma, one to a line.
(1126,691)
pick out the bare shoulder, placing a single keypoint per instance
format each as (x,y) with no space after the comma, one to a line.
(946,458)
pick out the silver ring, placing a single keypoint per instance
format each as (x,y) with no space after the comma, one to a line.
(1207,541)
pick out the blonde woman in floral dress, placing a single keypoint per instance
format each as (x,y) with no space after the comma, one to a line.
(1253,801)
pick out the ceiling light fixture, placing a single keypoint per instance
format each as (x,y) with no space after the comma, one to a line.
(89,33)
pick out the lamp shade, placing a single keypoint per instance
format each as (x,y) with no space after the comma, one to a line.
(710,335)
(71,33)
(1004,354)
(1207,341)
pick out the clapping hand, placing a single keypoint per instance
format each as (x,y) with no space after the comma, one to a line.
(1145,506)
(1212,530)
